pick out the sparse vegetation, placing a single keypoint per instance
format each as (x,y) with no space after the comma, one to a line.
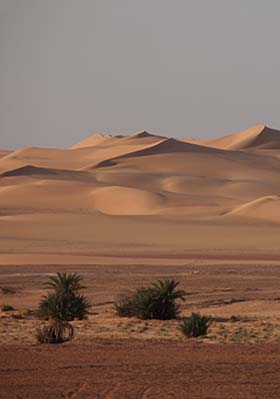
(55,332)
(65,283)
(196,325)
(125,308)
(7,308)
(64,302)
(59,306)
(7,290)
(244,334)
(155,302)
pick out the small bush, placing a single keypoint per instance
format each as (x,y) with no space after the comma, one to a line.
(55,332)
(7,290)
(125,308)
(59,306)
(156,302)
(196,325)
(64,302)
(7,308)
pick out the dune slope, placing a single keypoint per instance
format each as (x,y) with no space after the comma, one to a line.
(257,137)
(267,207)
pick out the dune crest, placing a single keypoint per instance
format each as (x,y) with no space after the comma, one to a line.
(92,141)
(164,146)
(143,134)
(4,153)
(267,207)
(256,137)
(28,170)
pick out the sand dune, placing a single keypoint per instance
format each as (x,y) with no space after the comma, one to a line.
(257,137)
(45,195)
(4,153)
(164,146)
(267,207)
(100,138)
(92,141)
(127,201)
(143,134)
(141,191)
(30,171)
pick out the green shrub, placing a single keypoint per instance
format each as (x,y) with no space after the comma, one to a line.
(7,308)
(155,302)
(125,308)
(55,332)
(196,325)
(58,306)
(64,302)
(66,283)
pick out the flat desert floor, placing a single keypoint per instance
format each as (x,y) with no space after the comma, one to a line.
(124,212)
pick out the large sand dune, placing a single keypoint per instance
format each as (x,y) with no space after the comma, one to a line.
(256,137)
(143,191)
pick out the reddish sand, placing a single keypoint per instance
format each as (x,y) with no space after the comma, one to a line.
(137,369)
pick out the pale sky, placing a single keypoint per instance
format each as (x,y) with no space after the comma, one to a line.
(181,68)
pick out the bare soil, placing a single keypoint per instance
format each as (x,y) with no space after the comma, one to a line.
(131,369)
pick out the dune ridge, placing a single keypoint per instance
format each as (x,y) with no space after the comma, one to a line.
(28,170)
(92,141)
(266,207)
(4,153)
(164,146)
(148,176)
(258,137)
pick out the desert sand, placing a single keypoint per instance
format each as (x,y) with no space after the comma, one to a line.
(140,194)
(124,211)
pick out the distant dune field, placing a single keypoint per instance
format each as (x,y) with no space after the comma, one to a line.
(137,193)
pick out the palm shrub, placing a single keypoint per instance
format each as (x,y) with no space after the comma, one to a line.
(66,283)
(55,332)
(155,302)
(7,308)
(64,302)
(125,308)
(56,305)
(196,325)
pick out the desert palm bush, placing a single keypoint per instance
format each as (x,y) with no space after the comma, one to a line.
(165,297)
(56,305)
(64,302)
(196,325)
(55,332)
(125,308)
(66,283)
(155,302)
(7,308)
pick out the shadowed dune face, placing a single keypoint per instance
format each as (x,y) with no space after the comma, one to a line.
(146,188)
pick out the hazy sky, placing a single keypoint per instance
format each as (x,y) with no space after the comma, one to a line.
(193,68)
